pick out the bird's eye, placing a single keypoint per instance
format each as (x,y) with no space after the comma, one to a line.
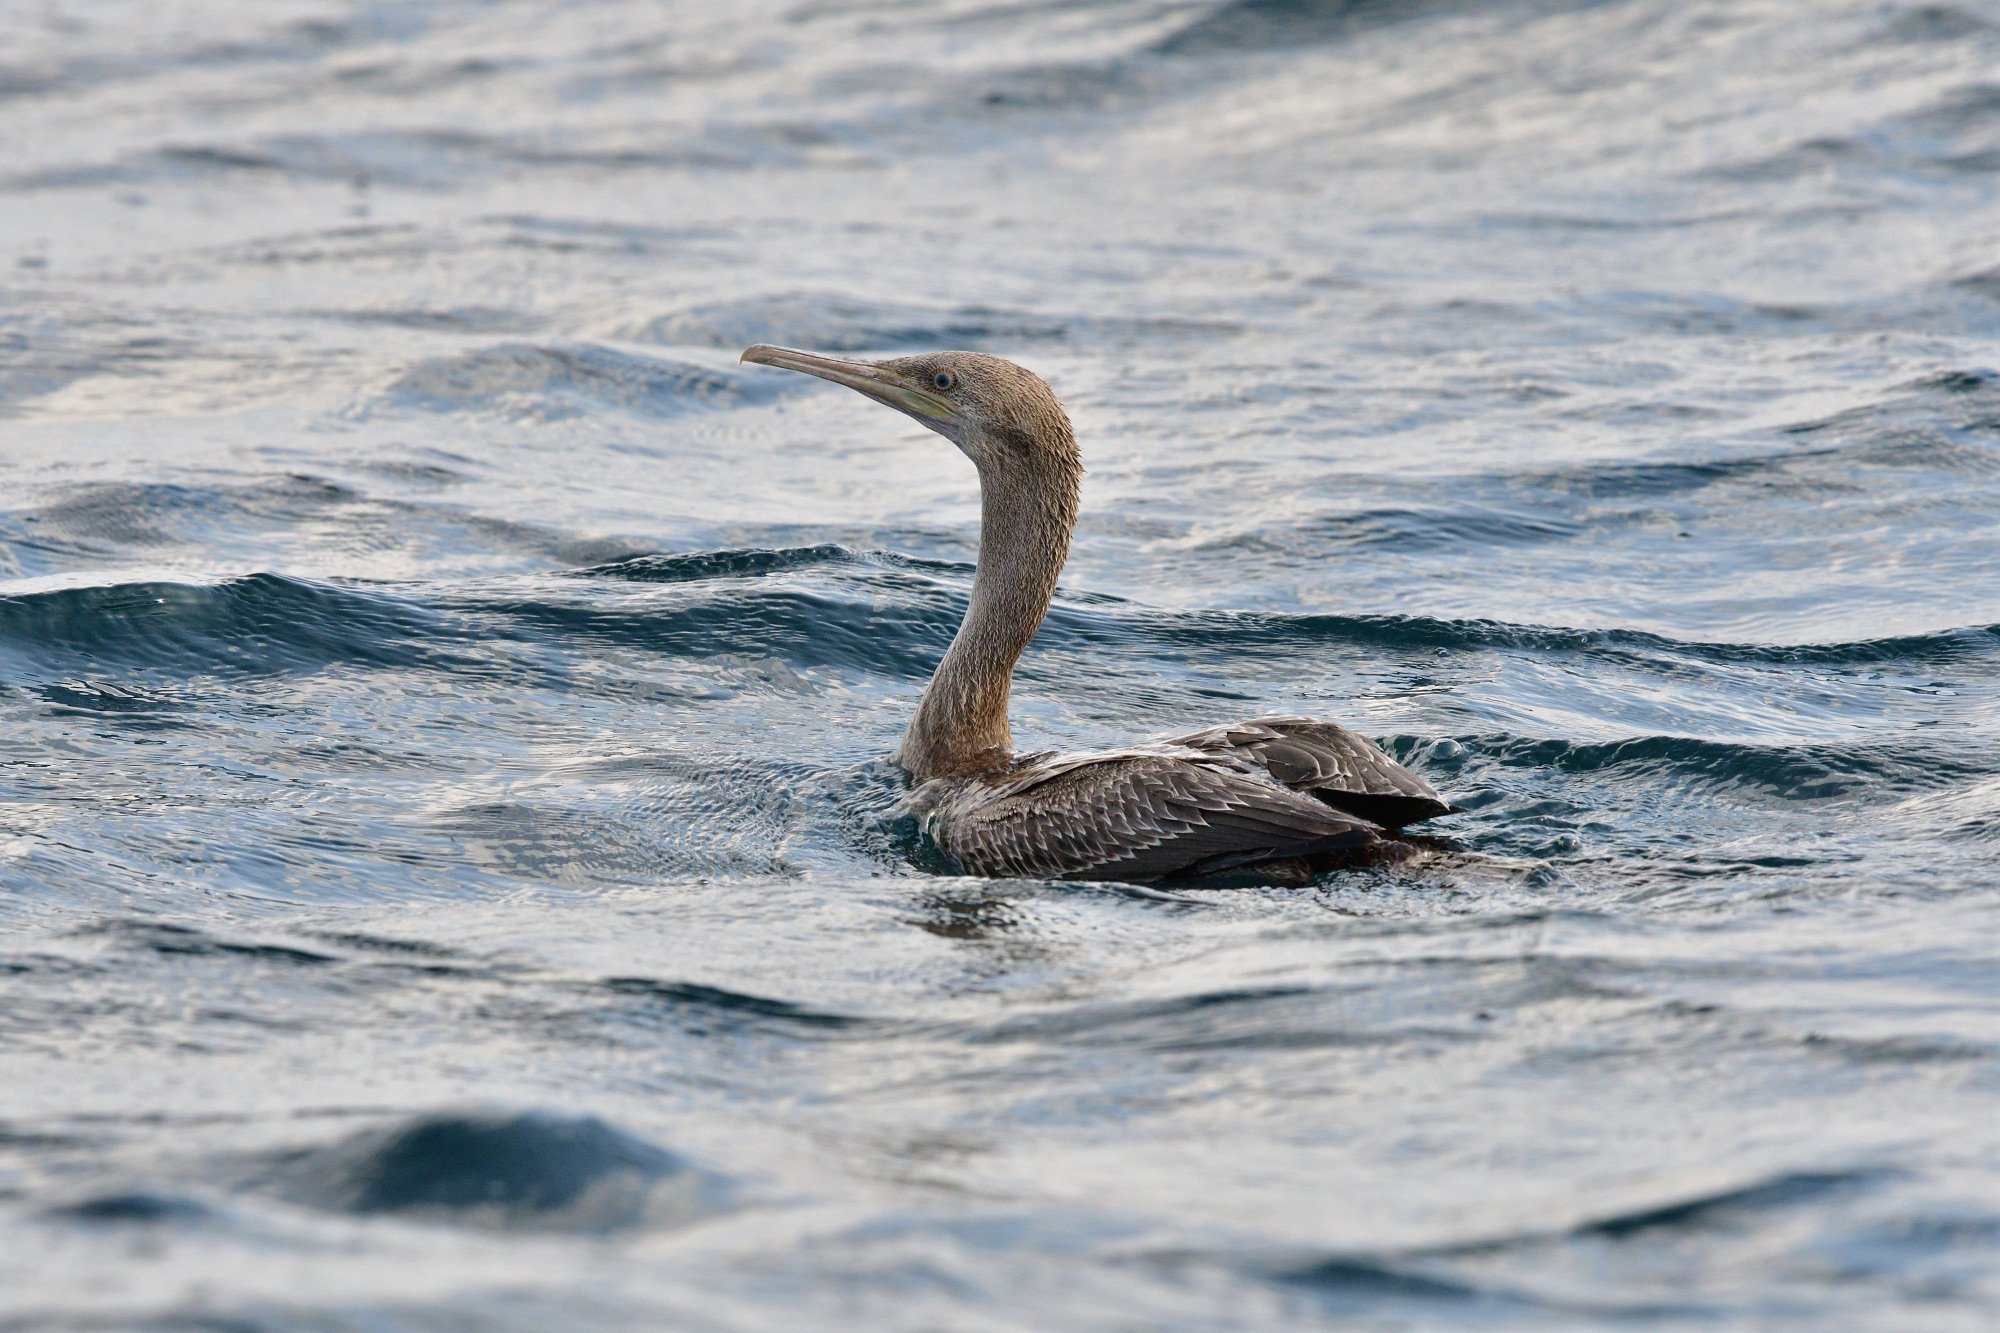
(944,379)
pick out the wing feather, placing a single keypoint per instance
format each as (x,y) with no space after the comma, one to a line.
(1329,762)
(1136,815)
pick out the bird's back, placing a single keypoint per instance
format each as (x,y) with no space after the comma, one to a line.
(1220,800)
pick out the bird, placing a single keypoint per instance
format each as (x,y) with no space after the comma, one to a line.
(1280,796)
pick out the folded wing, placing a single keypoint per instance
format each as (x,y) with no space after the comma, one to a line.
(1140,815)
(1329,762)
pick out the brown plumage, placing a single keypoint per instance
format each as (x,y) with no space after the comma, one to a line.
(1275,790)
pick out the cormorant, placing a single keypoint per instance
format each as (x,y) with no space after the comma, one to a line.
(1269,793)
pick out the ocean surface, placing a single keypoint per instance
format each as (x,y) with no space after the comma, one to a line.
(450,869)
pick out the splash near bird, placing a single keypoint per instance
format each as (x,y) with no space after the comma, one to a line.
(1276,792)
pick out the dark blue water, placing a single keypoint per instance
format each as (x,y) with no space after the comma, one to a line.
(449,875)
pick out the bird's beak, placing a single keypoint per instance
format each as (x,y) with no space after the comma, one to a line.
(879,383)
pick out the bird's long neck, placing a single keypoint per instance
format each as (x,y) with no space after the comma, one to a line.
(961,725)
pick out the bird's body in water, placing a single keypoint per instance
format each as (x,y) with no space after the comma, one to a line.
(1265,795)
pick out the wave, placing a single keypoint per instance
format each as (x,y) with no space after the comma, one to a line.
(1364,1281)
(1464,1272)
(269,624)
(353,951)
(110,517)
(1415,528)
(833,322)
(1969,812)
(439,159)
(90,527)
(288,44)
(1260,25)
(468,318)
(1794,772)
(185,941)
(1104,618)
(697,566)
(259,624)
(1941,422)
(134,1207)
(566,380)
(828,322)
(804,628)
(816,606)
(713,1007)
(529,1171)
(1936,23)
(1953,135)
(1250,631)
(131,706)
(1783,1190)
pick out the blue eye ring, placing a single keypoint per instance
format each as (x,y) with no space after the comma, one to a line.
(944,379)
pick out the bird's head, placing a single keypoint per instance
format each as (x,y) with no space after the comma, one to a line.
(1003,417)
